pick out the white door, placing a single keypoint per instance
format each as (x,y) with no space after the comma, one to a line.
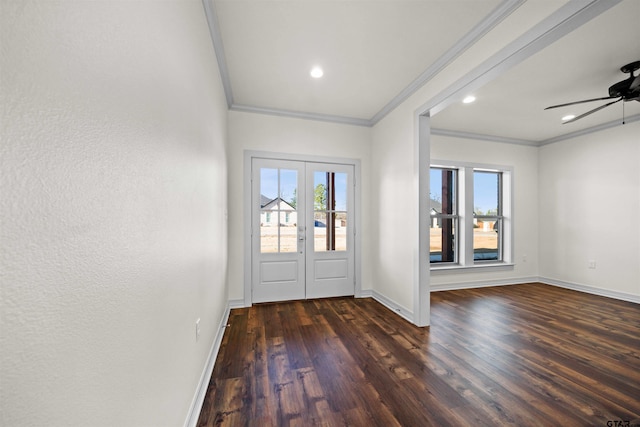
(278,230)
(302,230)
(330,231)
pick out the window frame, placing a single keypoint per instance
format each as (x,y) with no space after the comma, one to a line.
(455,216)
(465,209)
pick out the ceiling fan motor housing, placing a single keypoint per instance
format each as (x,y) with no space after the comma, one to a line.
(627,89)
(620,89)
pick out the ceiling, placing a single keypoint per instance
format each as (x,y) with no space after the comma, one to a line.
(376,53)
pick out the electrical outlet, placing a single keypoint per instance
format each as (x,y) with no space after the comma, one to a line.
(592,264)
(524,258)
(197,329)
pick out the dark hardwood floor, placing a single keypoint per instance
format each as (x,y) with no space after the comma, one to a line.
(523,355)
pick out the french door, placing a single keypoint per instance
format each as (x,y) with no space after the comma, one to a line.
(302,238)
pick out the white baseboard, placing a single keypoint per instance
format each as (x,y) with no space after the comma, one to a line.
(365,293)
(483,284)
(591,290)
(236,303)
(398,309)
(408,314)
(203,385)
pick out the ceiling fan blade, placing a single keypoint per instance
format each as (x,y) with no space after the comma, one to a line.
(635,84)
(592,111)
(580,102)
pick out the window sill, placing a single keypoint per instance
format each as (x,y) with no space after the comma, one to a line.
(453,268)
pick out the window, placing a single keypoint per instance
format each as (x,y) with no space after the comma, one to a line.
(278,189)
(444,215)
(487,216)
(470,210)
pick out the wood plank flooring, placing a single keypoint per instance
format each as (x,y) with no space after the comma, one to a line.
(523,355)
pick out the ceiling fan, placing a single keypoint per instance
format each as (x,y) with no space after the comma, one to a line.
(625,90)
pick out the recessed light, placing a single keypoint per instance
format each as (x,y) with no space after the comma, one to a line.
(469,99)
(569,117)
(316,72)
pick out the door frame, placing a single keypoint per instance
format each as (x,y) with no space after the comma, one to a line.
(249,155)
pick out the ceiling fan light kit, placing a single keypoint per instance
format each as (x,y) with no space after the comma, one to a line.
(625,90)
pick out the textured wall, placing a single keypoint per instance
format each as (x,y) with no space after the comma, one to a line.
(113,201)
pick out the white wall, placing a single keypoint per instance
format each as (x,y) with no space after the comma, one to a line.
(113,176)
(590,210)
(259,132)
(524,160)
(394,209)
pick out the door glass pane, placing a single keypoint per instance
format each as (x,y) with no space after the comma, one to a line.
(330,211)
(288,215)
(289,186)
(288,238)
(278,214)
(268,185)
(320,191)
(340,224)
(268,236)
(340,194)
(319,231)
(268,193)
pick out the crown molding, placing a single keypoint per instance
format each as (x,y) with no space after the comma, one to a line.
(482,137)
(302,115)
(506,140)
(590,130)
(501,12)
(218,47)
